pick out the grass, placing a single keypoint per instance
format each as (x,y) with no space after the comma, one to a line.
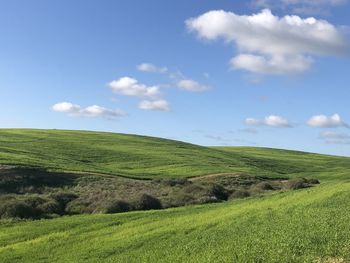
(298,226)
(308,225)
(147,157)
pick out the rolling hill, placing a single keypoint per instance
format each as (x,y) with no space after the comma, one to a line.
(306,225)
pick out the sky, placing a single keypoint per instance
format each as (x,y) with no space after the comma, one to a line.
(211,72)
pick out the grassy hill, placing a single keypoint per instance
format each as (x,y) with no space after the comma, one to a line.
(307,225)
(147,157)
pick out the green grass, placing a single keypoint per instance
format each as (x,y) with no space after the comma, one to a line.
(147,157)
(310,225)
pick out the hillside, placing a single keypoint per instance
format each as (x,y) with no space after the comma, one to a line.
(305,225)
(146,157)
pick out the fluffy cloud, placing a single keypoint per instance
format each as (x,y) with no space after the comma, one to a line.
(147,67)
(93,111)
(66,107)
(274,65)
(301,6)
(156,105)
(191,85)
(270,44)
(324,121)
(272,121)
(335,138)
(131,87)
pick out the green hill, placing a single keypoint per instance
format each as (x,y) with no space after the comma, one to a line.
(146,157)
(306,225)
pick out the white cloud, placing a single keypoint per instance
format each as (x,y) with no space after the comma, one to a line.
(191,85)
(324,121)
(93,111)
(301,6)
(271,65)
(148,67)
(272,121)
(66,107)
(335,138)
(276,121)
(156,105)
(270,44)
(131,87)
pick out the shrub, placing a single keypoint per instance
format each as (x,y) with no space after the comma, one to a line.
(219,192)
(147,202)
(313,181)
(175,181)
(297,183)
(265,186)
(50,207)
(34,201)
(239,194)
(118,206)
(193,189)
(63,198)
(17,209)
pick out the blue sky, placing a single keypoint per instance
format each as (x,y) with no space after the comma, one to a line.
(181,70)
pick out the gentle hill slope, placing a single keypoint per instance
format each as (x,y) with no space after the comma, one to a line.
(308,225)
(147,157)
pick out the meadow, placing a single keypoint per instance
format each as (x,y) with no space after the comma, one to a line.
(305,225)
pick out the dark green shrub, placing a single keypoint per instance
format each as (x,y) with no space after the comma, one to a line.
(63,198)
(239,194)
(34,201)
(147,202)
(18,209)
(50,207)
(193,189)
(265,186)
(118,206)
(175,181)
(313,181)
(297,183)
(218,192)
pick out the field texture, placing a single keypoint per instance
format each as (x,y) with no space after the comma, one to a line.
(308,225)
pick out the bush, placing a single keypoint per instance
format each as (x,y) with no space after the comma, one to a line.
(17,209)
(219,192)
(63,198)
(239,194)
(297,183)
(50,207)
(147,202)
(175,181)
(265,186)
(118,206)
(313,181)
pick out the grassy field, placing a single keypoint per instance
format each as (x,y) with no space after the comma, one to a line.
(308,225)
(147,157)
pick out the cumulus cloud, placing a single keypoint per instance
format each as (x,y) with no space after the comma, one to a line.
(66,107)
(270,44)
(307,7)
(335,137)
(191,85)
(323,121)
(131,87)
(272,121)
(148,67)
(156,105)
(271,65)
(93,111)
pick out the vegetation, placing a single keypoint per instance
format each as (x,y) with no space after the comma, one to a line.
(146,157)
(299,225)
(30,193)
